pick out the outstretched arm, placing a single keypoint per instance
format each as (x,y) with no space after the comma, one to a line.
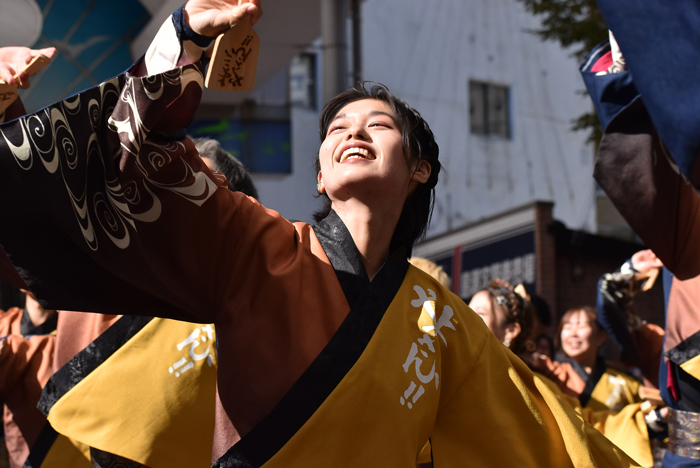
(190,30)
(639,174)
(16,66)
(659,41)
(113,210)
(13,61)
(213,17)
(615,295)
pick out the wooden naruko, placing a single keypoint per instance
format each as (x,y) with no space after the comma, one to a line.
(36,64)
(234,59)
(8,92)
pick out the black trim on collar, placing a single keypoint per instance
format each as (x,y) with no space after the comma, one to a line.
(340,249)
(688,386)
(90,358)
(578,368)
(42,446)
(332,364)
(685,350)
(592,381)
(27,328)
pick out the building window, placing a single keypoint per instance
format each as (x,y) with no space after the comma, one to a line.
(302,81)
(489,109)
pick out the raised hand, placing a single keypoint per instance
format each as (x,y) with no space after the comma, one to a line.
(213,17)
(13,60)
(645,260)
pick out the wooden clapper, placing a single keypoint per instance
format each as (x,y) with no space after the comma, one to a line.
(234,59)
(8,92)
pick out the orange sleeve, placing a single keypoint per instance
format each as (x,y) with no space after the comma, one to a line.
(642,180)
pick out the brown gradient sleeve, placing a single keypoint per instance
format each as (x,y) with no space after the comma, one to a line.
(639,175)
(8,274)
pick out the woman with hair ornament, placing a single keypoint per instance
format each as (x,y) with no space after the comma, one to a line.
(509,315)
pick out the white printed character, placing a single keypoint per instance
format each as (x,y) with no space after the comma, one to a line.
(614,401)
(404,399)
(423,298)
(182,366)
(427,303)
(413,358)
(445,320)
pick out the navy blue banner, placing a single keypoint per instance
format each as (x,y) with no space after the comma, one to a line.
(512,260)
(659,40)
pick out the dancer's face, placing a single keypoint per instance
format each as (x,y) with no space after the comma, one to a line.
(362,155)
(579,337)
(495,320)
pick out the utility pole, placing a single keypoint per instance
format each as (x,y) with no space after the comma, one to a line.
(356,41)
(335,48)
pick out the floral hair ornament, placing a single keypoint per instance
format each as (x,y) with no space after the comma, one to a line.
(501,300)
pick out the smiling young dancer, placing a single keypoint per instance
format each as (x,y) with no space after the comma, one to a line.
(509,316)
(333,351)
(580,337)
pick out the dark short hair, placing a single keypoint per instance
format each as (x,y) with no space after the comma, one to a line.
(237,177)
(418,144)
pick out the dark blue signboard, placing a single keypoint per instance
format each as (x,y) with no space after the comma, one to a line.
(446,264)
(511,259)
(261,146)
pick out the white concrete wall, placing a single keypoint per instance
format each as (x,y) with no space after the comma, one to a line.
(426,53)
(292,195)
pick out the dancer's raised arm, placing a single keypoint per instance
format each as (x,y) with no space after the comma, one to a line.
(109,208)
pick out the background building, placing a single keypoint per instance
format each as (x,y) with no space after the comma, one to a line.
(499,101)
(526,245)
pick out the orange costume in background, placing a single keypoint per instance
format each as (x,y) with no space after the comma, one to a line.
(25,366)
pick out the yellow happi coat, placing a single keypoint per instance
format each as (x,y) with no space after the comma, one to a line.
(433,371)
(625,427)
(613,391)
(144,390)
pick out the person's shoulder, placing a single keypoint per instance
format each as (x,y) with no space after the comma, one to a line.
(10,311)
(650,330)
(427,281)
(10,321)
(445,297)
(616,370)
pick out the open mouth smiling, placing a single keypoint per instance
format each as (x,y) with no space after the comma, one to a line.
(574,345)
(356,153)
